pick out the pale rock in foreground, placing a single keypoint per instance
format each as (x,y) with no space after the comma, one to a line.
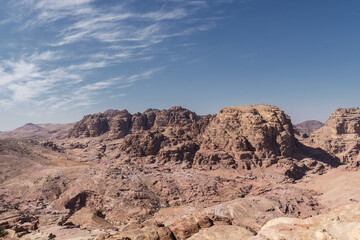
(227,232)
(340,224)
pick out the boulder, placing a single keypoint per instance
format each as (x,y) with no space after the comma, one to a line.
(342,223)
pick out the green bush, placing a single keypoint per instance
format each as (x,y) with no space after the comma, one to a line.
(3,232)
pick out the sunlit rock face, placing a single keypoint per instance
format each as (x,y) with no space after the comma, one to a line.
(262,130)
(340,136)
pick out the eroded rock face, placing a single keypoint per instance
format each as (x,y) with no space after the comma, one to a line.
(237,136)
(144,144)
(119,124)
(250,132)
(227,232)
(18,222)
(90,126)
(116,124)
(345,121)
(340,136)
(179,230)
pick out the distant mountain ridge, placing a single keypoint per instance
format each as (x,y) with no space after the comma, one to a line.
(39,131)
(169,132)
(308,127)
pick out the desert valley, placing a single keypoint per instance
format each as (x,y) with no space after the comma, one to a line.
(179,120)
(244,173)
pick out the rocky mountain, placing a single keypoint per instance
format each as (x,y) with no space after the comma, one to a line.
(116,124)
(340,136)
(39,131)
(172,174)
(256,132)
(305,129)
(235,136)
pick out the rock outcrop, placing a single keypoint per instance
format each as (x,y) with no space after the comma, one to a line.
(341,224)
(227,232)
(340,136)
(179,230)
(253,132)
(119,123)
(17,221)
(236,135)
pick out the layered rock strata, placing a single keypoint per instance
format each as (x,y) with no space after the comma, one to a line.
(340,136)
(238,136)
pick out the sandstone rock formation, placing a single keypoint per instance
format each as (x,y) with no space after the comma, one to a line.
(119,123)
(179,230)
(340,136)
(17,221)
(341,224)
(260,129)
(227,232)
(243,133)
(237,136)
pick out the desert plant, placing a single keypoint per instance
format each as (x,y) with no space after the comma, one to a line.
(3,232)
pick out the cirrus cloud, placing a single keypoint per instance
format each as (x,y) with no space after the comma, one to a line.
(73,50)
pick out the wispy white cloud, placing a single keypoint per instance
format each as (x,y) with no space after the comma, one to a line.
(22,81)
(144,75)
(63,4)
(81,39)
(84,96)
(88,65)
(46,56)
(26,83)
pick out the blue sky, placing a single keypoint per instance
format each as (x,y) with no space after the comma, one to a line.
(60,60)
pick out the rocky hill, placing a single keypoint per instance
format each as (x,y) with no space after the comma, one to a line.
(305,129)
(257,132)
(39,131)
(116,124)
(235,136)
(340,136)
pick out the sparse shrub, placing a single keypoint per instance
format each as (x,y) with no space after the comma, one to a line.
(3,232)
(51,236)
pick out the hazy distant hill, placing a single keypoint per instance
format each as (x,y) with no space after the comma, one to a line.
(308,127)
(39,131)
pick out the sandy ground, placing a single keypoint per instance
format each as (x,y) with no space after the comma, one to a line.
(338,187)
